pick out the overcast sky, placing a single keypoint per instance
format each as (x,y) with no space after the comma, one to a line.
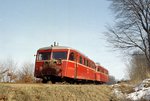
(27,25)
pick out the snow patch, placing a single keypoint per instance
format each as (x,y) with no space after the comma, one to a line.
(117,92)
(142,91)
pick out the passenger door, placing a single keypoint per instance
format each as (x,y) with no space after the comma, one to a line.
(76,65)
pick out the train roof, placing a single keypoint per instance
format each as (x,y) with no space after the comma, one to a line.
(62,47)
(98,65)
(55,47)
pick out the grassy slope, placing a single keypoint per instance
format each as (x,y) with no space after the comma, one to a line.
(49,92)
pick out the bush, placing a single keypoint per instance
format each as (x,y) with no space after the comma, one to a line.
(25,75)
(138,68)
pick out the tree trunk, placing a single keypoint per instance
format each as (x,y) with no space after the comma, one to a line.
(148,49)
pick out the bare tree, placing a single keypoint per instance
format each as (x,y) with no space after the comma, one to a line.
(137,69)
(131,31)
(25,75)
(11,66)
(7,70)
(3,71)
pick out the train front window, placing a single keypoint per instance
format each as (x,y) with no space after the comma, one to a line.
(44,56)
(59,55)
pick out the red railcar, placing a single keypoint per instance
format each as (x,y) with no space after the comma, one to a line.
(58,63)
(101,74)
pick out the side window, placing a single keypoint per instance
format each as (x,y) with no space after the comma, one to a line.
(87,63)
(84,61)
(80,61)
(71,56)
(102,71)
(93,65)
(98,69)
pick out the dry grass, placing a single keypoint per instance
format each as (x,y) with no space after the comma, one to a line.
(125,88)
(49,92)
(121,90)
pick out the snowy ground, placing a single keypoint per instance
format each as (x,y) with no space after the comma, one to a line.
(140,92)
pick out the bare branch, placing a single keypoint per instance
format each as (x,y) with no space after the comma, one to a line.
(132,29)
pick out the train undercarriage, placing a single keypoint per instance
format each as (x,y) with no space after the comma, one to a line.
(65,80)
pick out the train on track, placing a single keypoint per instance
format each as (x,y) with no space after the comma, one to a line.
(60,63)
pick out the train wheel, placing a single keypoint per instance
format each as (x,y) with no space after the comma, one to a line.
(44,81)
(53,81)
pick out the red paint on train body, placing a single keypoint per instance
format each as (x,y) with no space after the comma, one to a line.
(58,62)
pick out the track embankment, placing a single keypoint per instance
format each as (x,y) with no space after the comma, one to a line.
(55,92)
